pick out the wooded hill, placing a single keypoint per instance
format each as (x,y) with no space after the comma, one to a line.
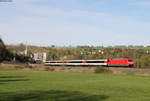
(140,54)
(4,53)
(7,55)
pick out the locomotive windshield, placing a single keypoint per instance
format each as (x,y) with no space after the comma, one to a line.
(130,60)
(117,58)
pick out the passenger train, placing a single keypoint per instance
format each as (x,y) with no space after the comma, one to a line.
(97,62)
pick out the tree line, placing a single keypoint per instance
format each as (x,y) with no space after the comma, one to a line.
(140,54)
(7,55)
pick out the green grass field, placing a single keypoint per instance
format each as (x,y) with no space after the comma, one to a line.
(60,86)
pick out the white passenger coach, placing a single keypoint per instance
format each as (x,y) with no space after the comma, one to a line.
(98,62)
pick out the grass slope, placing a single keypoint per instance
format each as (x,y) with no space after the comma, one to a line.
(59,86)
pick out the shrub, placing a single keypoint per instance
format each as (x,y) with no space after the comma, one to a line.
(49,69)
(62,68)
(19,67)
(101,70)
(29,66)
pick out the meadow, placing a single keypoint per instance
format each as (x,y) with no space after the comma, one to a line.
(19,85)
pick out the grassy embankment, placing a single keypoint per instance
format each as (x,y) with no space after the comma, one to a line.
(18,85)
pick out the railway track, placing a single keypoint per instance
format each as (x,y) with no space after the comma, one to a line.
(110,68)
(131,69)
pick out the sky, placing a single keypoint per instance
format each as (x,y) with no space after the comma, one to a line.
(75,22)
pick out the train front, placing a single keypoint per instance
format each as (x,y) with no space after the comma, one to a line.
(130,62)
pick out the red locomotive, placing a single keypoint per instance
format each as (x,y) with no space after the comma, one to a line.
(120,62)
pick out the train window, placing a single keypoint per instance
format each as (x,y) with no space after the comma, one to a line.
(117,58)
(95,61)
(130,60)
(74,62)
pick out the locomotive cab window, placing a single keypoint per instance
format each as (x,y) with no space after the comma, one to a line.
(117,58)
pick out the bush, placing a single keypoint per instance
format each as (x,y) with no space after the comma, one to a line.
(49,69)
(62,68)
(28,66)
(101,70)
(19,67)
